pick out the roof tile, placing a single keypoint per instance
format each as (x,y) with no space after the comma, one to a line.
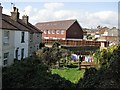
(61,25)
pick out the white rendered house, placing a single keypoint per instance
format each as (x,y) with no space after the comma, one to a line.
(15,38)
(21,45)
(27,40)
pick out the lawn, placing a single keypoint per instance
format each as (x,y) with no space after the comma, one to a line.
(72,74)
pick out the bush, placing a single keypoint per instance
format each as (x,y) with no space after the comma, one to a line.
(82,48)
(32,74)
(55,44)
(50,56)
(108,75)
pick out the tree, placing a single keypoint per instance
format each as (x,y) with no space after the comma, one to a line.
(107,76)
(89,36)
(52,55)
(32,74)
(55,44)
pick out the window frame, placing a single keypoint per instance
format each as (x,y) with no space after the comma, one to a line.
(57,31)
(22,37)
(6,38)
(22,53)
(62,32)
(5,58)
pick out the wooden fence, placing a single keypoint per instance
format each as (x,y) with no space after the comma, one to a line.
(75,42)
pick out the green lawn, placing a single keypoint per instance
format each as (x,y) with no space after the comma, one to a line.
(72,74)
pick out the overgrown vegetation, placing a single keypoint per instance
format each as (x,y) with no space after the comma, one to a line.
(55,44)
(36,72)
(82,48)
(32,74)
(103,56)
(51,56)
(108,74)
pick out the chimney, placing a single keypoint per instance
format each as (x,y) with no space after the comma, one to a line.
(15,14)
(25,19)
(1,9)
(1,15)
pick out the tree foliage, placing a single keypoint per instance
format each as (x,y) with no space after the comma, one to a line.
(108,75)
(52,55)
(35,73)
(32,74)
(55,44)
(102,56)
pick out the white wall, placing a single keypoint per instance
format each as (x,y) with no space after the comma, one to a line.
(8,48)
(0,47)
(37,40)
(34,44)
(20,45)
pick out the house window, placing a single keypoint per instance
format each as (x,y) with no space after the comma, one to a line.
(5,60)
(22,53)
(49,32)
(6,38)
(53,31)
(62,32)
(45,32)
(31,37)
(37,46)
(37,35)
(57,31)
(22,37)
(16,54)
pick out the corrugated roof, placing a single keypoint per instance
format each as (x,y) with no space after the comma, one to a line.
(53,25)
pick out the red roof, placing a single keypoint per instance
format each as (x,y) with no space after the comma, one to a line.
(102,30)
(53,25)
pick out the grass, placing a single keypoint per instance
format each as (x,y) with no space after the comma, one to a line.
(71,74)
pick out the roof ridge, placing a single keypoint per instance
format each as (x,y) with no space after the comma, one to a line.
(19,24)
(56,21)
(62,24)
(32,26)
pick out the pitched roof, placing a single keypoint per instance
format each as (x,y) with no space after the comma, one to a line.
(29,26)
(61,25)
(5,25)
(10,24)
(102,30)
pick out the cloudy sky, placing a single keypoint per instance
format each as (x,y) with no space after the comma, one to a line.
(88,14)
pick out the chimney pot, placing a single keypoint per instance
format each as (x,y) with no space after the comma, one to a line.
(25,18)
(14,9)
(1,9)
(15,14)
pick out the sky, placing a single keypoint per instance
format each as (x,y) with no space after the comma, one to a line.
(88,14)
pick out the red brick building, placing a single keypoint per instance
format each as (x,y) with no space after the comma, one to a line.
(65,29)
